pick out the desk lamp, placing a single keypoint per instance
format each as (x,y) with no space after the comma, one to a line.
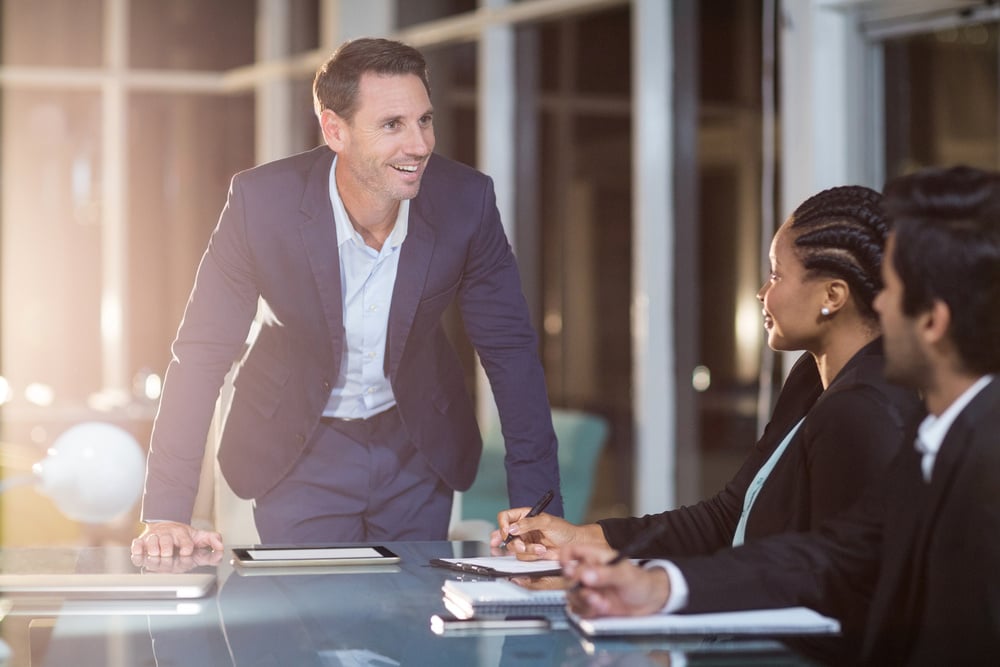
(93,472)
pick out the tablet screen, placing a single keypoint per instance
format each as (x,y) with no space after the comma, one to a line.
(264,556)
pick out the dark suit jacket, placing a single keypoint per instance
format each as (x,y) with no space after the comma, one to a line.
(851,432)
(929,554)
(276,239)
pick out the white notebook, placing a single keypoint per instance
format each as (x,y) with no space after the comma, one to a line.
(469,598)
(774,622)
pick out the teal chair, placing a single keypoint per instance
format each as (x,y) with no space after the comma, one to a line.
(581,438)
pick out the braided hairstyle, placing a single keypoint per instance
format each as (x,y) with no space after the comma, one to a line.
(841,233)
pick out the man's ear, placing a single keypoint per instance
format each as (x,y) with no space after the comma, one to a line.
(334,129)
(934,323)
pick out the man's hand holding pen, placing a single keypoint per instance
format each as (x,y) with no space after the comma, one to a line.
(604,585)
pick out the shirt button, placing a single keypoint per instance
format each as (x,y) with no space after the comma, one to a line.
(373,308)
(371,390)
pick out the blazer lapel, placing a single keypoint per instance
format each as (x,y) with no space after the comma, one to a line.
(411,275)
(319,238)
(954,450)
(902,569)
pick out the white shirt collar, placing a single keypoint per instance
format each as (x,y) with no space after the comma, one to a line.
(932,430)
(345,230)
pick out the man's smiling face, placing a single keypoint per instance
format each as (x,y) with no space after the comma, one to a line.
(384,148)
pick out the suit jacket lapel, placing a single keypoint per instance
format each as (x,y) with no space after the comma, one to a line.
(319,238)
(902,569)
(954,450)
(411,275)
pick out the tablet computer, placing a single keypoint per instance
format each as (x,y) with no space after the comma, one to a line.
(312,556)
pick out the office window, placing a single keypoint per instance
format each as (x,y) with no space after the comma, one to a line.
(182,149)
(191,34)
(52,33)
(52,240)
(410,13)
(729,328)
(575,219)
(941,99)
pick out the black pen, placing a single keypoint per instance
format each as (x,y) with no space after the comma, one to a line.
(539,507)
(641,541)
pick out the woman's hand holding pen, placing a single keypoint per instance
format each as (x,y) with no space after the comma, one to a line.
(619,589)
(541,537)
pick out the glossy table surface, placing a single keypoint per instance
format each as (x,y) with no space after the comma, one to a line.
(350,616)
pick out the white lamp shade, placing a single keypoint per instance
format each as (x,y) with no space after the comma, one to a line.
(93,472)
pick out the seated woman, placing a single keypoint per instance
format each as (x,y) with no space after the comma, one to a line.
(836,423)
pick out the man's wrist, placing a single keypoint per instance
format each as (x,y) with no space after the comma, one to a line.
(677,595)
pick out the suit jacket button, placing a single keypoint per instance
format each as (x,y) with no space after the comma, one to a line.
(300,437)
(326,385)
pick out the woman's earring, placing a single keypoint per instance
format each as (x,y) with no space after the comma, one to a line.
(824,311)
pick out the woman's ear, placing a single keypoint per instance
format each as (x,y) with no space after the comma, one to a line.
(836,294)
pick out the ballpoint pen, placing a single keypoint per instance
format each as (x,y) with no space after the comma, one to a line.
(641,541)
(538,508)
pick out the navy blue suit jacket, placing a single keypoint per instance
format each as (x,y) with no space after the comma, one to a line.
(276,240)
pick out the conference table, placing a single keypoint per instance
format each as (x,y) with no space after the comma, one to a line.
(371,616)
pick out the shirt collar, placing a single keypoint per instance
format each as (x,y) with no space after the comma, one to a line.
(345,230)
(933,430)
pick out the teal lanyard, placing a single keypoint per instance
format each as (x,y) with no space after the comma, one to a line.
(758,482)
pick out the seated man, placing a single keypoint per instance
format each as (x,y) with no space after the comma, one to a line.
(923,543)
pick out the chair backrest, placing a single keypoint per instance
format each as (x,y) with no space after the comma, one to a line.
(581,438)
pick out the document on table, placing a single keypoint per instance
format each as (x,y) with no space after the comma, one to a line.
(777,622)
(499,566)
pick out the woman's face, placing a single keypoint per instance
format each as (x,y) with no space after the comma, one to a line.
(792,302)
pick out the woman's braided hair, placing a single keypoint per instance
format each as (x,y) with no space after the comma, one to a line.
(841,233)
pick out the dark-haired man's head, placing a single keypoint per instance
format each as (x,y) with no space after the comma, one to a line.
(943,257)
(338,81)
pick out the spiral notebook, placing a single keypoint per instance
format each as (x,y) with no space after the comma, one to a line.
(466,599)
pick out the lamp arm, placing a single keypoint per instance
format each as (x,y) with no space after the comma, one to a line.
(18,480)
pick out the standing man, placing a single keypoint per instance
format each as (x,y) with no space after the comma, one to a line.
(349,418)
(925,542)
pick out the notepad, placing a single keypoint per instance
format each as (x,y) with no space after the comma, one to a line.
(774,622)
(499,566)
(476,598)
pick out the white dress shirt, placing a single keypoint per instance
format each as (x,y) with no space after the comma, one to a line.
(933,429)
(367,278)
